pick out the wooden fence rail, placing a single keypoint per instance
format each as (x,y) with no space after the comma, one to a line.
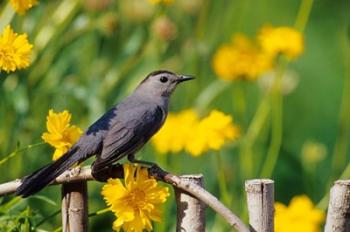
(191,199)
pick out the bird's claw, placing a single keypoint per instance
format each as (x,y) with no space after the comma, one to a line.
(74,171)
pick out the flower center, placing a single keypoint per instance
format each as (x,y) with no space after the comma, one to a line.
(7,57)
(137,198)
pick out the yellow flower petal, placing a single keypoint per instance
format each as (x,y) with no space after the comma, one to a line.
(58,153)
(61,135)
(113,190)
(134,204)
(240,59)
(166,2)
(281,40)
(301,215)
(15,50)
(21,6)
(173,136)
(185,131)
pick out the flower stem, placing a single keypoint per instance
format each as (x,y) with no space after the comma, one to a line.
(201,23)
(208,95)
(239,102)
(276,137)
(341,143)
(343,131)
(253,131)
(98,212)
(277,100)
(323,203)
(47,218)
(226,198)
(6,16)
(58,229)
(303,14)
(17,151)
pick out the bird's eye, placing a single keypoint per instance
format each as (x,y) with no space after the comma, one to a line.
(163,79)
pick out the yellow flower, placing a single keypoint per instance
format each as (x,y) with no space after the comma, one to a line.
(212,132)
(240,59)
(14,50)
(281,40)
(313,152)
(301,215)
(136,203)
(61,135)
(174,134)
(21,6)
(185,131)
(165,2)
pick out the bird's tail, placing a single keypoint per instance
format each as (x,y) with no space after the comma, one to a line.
(39,179)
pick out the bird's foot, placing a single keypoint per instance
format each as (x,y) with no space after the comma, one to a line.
(111,171)
(146,164)
(74,171)
(156,172)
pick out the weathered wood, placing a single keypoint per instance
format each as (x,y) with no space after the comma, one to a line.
(338,216)
(202,195)
(260,200)
(74,207)
(68,176)
(158,173)
(190,210)
(9,187)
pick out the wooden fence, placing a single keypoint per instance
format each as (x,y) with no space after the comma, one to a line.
(192,200)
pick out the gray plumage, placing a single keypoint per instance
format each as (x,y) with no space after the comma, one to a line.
(120,132)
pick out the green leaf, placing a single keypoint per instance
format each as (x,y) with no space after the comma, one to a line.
(45,199)
(9,205)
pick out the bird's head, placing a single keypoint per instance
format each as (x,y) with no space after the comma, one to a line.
(162,82)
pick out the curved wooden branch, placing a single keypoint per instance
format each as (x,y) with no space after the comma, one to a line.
(66,177)
(197,191)
(201,194)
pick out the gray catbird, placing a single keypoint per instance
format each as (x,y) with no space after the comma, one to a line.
(120,132)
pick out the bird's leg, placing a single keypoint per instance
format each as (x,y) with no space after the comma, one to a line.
(131,158)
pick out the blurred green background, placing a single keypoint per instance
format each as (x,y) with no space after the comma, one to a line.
(89,54)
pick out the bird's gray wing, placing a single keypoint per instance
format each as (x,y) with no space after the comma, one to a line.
(90,143)
(129,133)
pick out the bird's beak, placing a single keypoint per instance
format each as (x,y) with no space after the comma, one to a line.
(183,78)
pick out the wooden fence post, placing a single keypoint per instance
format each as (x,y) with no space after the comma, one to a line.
(74,207)
(260,200)
(338,216)
(84,174)
(190,210)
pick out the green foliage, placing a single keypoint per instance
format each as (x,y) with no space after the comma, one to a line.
(88,56)
(15,216)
